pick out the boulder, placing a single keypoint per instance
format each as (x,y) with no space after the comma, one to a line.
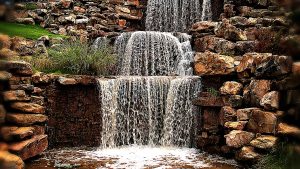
(10,161)
(227,114)
(31,147)
(26,87)
(17,67)
(238,138)
(256,90)
(15,95)
(247,153)
(262,122)
(208,100)
(225,30)
(214,44)
(264,142)
(4,76)
(28,107)
(231,88)
(67,81)
(288,130)
(209,63)
(28,21)
(244,114)
(40,77)
(236,125)
(25,119)
(203,26)
(16,133)
(270,101)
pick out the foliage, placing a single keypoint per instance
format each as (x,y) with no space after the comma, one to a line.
(283,157)
(26,31)
(213,91)
(31,6)
(75,57)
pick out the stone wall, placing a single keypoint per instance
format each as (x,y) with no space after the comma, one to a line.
(243,108)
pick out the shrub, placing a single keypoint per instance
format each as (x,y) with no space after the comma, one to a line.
(75,57)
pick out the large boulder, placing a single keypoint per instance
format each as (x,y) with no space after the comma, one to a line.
(238,138)
(209,63)
(244,114)
(288,130)
(225,30)
(264,142)
(262,122)
(256,90)
(16,133)
(10,161)
(231,88)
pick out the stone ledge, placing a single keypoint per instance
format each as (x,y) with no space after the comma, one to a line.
(208,100)
(25,119)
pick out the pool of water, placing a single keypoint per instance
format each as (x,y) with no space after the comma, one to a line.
(132,157)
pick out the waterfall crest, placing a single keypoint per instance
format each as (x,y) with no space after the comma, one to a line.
(154,110)
(154,54)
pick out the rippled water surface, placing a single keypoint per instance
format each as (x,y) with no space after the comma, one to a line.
(133,157)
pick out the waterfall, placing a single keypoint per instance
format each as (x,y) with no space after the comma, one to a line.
(101,42)
(206,10)
(176,15)
(154,110)
(154,54)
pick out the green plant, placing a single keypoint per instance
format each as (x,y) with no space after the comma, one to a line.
(213,91)
(30,6)
(75,57)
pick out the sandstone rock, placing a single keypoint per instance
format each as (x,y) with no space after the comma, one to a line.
(288,130)
(243,47)
(129,17)
(66,3)
(37,100)
(23,46)
(270,101)
(28,21)
(264,142)
(238,138)
(262,122)
(5,41)
(28,107)
(237,125)
(15,95)
(225,30)
(227,114)
(2,114)
(7,53)
(26,87)
(4,76)
(247,153)
(25,119)
(256,91)
(296,68)
(231,88)
(209,63)
(17,67)
(244,114)
(67,81)
(40,77)
(16,133)
(10,161)
(208,100)
(210,119)
(214,44)
(30,148)
(203,26)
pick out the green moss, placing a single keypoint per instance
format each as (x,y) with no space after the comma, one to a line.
(30,6)
(26,31)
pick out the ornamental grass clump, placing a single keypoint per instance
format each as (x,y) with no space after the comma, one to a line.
(75,57)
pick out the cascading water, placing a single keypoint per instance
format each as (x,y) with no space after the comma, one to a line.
(154,54)
(176,15)
(155,110)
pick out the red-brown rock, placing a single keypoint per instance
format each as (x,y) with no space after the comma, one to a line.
(16,133)
(236,125)
(270,101)
(238,138)
(28,107)
(262,122)
(244,114)
(25,119)
(227,114)
(256,91)
(264,142)
(231,88)
(10,161)
(247,153)
(15,95)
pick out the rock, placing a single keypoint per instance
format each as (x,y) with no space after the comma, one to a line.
(82,21)
(264,142)
(237,125)
(247,153)
(24,47)
(208,100)
(203,26)
(25,119)
(238,138)
(40,77)
(288,130)
(227,114)
(30,148)
(244,114)
(209,63)
(10,161)
(4,76)
(26,87)
(262,122)
(67,81)
(5,41)
(16,133)
(210,119)
(243,47)
(15,95)
(231,88)
(79,9)
(214,44)
(17,67)
(66,3)
(7,53)
(225,30)
(28,21)
(129,17)
(123,9)
(2,114)
(28,107)
(37,100)
(296,68)
(256,91)
(270,101)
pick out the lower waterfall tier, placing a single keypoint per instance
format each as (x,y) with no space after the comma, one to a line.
(154,110)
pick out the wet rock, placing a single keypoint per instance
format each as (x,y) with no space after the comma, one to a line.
(243,47)
(247,153)
(17,67)
(209,63)
(244,114)
(231,88)
(227,114)
(270,101)
(237,125)
(28,107)
(238,138)
(288,130)
(30,148)
(15,95)
(264,142)
(225,30)
(67,81)
(208,100)
(262,122)
(256,91)
(16,133)
(10,161)
(25,119)
(203,26)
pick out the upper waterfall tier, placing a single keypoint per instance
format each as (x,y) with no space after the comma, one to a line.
(154,54)
(176,15)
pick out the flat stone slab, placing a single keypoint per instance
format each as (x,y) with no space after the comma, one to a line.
(208,100)
(31,147)
(10,161)
(15,95)
(28,107)
(16,133)
(25,119)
